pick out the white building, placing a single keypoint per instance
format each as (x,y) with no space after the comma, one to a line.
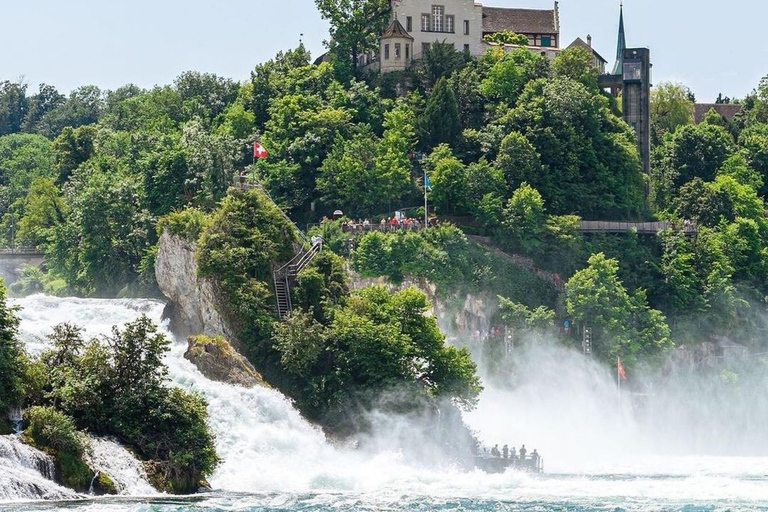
(417,24)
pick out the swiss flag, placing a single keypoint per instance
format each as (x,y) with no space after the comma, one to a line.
(259,151)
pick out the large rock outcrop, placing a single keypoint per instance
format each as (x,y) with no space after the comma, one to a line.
(193,301)
(219,361)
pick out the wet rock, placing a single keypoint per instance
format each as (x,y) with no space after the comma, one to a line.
(219,361)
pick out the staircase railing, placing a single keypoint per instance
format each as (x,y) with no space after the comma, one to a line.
(285,275)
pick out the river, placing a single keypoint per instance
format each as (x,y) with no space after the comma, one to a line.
(596,455)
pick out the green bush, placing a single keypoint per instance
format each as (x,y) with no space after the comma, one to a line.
(187,223)
(55,433)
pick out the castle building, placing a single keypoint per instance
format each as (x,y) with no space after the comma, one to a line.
(417,24)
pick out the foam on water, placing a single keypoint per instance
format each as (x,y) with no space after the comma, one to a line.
(27,473)
(269,451)
(110,457)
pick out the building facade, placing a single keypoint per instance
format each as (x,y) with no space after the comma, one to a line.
(461,23)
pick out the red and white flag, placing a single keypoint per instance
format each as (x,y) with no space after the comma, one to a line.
(620,368)
(259,151)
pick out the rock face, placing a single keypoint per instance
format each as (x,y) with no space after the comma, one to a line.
(192,305)
(219,361)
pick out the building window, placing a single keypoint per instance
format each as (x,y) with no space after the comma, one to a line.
(424,47)
(409,24)
(386,52)
(466,27)
(466,48)
(449,23)
(425,22)
(407,51)
(438,14)
(397,51)
(546,41)
(531,41)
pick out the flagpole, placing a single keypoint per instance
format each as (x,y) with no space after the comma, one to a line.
(426,211)
(618,381)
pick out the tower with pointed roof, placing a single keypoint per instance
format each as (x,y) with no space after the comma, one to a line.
(395,47)
(631,77)
(618,68)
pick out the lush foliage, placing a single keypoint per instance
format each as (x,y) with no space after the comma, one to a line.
(377,342)
(118,387)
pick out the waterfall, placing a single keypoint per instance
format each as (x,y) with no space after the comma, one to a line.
(263,441)
(108,456)
(27,473)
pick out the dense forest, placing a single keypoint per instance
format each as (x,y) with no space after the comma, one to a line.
(520,145)
(517,148)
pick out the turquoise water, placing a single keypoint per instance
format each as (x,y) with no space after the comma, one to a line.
(343,502)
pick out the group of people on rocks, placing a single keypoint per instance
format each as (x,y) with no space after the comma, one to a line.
(512,454)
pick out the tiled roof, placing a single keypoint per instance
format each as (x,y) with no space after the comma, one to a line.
(396,29)
(580,42)
(520,21)
(726,110)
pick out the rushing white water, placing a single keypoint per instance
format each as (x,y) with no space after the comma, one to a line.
(110,457)
(27,473)
(565,406)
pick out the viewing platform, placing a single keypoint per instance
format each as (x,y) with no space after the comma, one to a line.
(642,228)
(501,464)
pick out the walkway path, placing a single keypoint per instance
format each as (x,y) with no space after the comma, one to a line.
(643,228)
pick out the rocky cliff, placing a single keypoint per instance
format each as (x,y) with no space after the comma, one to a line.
(457,314)
(192,300)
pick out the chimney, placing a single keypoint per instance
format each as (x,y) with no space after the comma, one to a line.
(589,40)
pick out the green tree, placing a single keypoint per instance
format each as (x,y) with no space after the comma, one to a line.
(510,72)
(440,122)
(577,63)
(671,107)
(698,151)
(590,163)
(449,186)
(13,106)
(507,37)
(10,354)
(73,147)
(44,209)
(519,162)
(440,60)
(355,26)
(524,216)
(40,105)
(623,324)
(23,158)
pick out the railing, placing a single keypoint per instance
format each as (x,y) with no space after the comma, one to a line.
(26,251)
(285,274)
(601,226)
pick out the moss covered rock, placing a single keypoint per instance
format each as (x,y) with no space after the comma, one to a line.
(103,484)
(219,361)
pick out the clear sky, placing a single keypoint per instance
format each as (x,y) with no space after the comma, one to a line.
(711,47)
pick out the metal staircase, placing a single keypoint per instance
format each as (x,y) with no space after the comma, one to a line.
(286,275)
